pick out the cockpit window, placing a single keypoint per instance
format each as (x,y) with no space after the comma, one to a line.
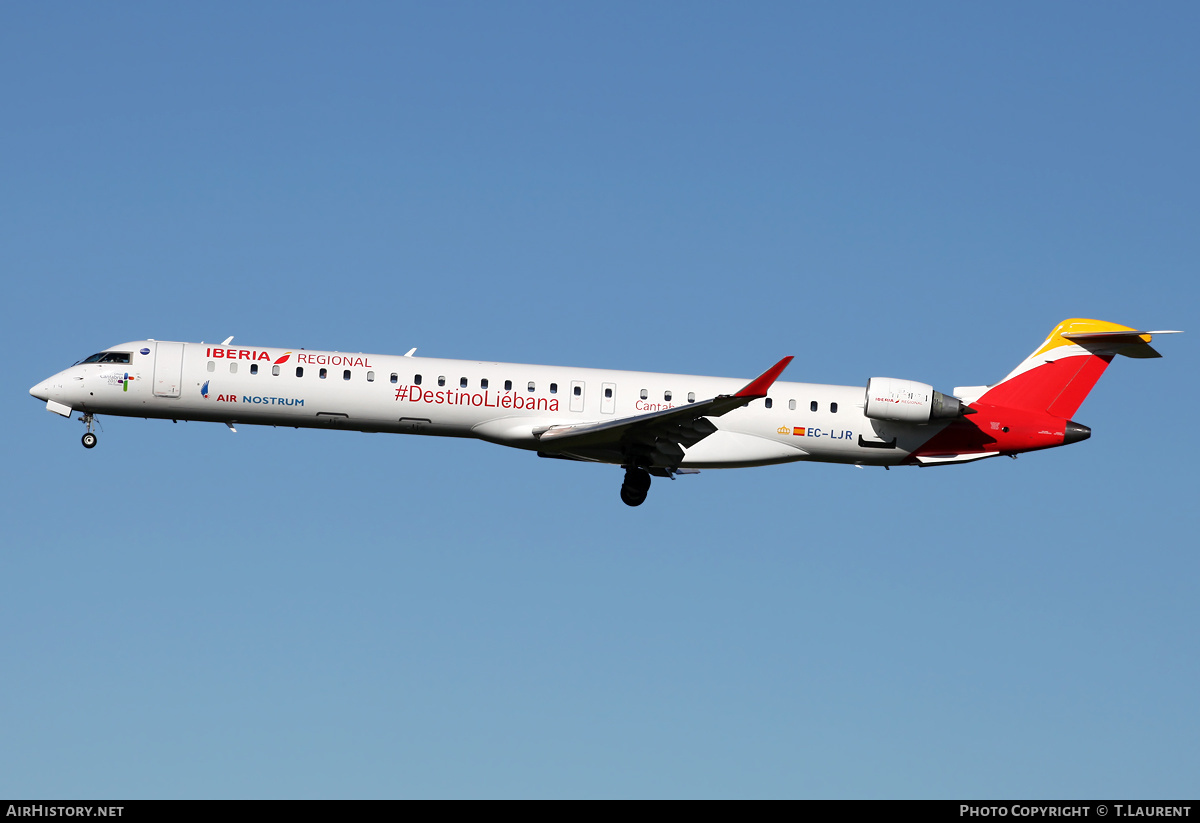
(123,357)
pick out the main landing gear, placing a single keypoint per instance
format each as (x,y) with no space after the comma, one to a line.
(636,486)
(637,482)
(89,439)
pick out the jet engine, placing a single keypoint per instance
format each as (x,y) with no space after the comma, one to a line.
(907,401)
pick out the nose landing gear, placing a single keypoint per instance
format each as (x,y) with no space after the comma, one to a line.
(89,439)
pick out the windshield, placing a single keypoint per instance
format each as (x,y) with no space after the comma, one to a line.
(109,357)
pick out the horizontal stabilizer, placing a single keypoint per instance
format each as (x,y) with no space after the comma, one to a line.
(1130,343)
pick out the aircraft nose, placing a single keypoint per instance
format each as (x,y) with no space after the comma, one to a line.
(41,391)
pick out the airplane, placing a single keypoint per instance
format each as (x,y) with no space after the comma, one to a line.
(652,425)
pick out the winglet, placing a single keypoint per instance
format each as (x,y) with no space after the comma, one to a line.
(759,385)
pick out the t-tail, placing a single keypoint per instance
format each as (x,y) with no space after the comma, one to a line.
(1032,407)
(1058,376)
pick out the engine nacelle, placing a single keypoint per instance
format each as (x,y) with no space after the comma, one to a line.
(907,401)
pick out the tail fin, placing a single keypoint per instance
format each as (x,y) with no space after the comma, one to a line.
(1059,374)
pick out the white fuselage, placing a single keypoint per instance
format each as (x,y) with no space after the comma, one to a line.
(505,403)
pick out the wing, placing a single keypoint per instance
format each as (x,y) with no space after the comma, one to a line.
(656,439)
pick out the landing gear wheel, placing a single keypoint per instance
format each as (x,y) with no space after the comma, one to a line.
(636,487)
(89,441)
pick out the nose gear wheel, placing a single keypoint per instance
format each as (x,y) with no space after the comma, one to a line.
(89,439)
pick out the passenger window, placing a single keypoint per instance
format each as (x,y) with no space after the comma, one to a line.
(833,407)
(212,366)
(441,379)
(346,374)
(531,385)
(691,397)
(254,368)
(554,388)
(792,405)
(274,371)
(578,391)
(483,384)
(812,406)
(417,379)
(462,382)
(608,393)
(299,371)
(667,396)
(233,368)
(645,394)
(370,377)
(508,385)
(324,373)
(395,377)
(767,402)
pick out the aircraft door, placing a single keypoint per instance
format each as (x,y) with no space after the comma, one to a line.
(168,369)
(576,395)
(608,398)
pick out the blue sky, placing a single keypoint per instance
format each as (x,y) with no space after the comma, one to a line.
(915,191)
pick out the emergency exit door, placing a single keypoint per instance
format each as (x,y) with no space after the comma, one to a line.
(608,398)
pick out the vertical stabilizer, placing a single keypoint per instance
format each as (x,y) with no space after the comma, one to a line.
(1059,374)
